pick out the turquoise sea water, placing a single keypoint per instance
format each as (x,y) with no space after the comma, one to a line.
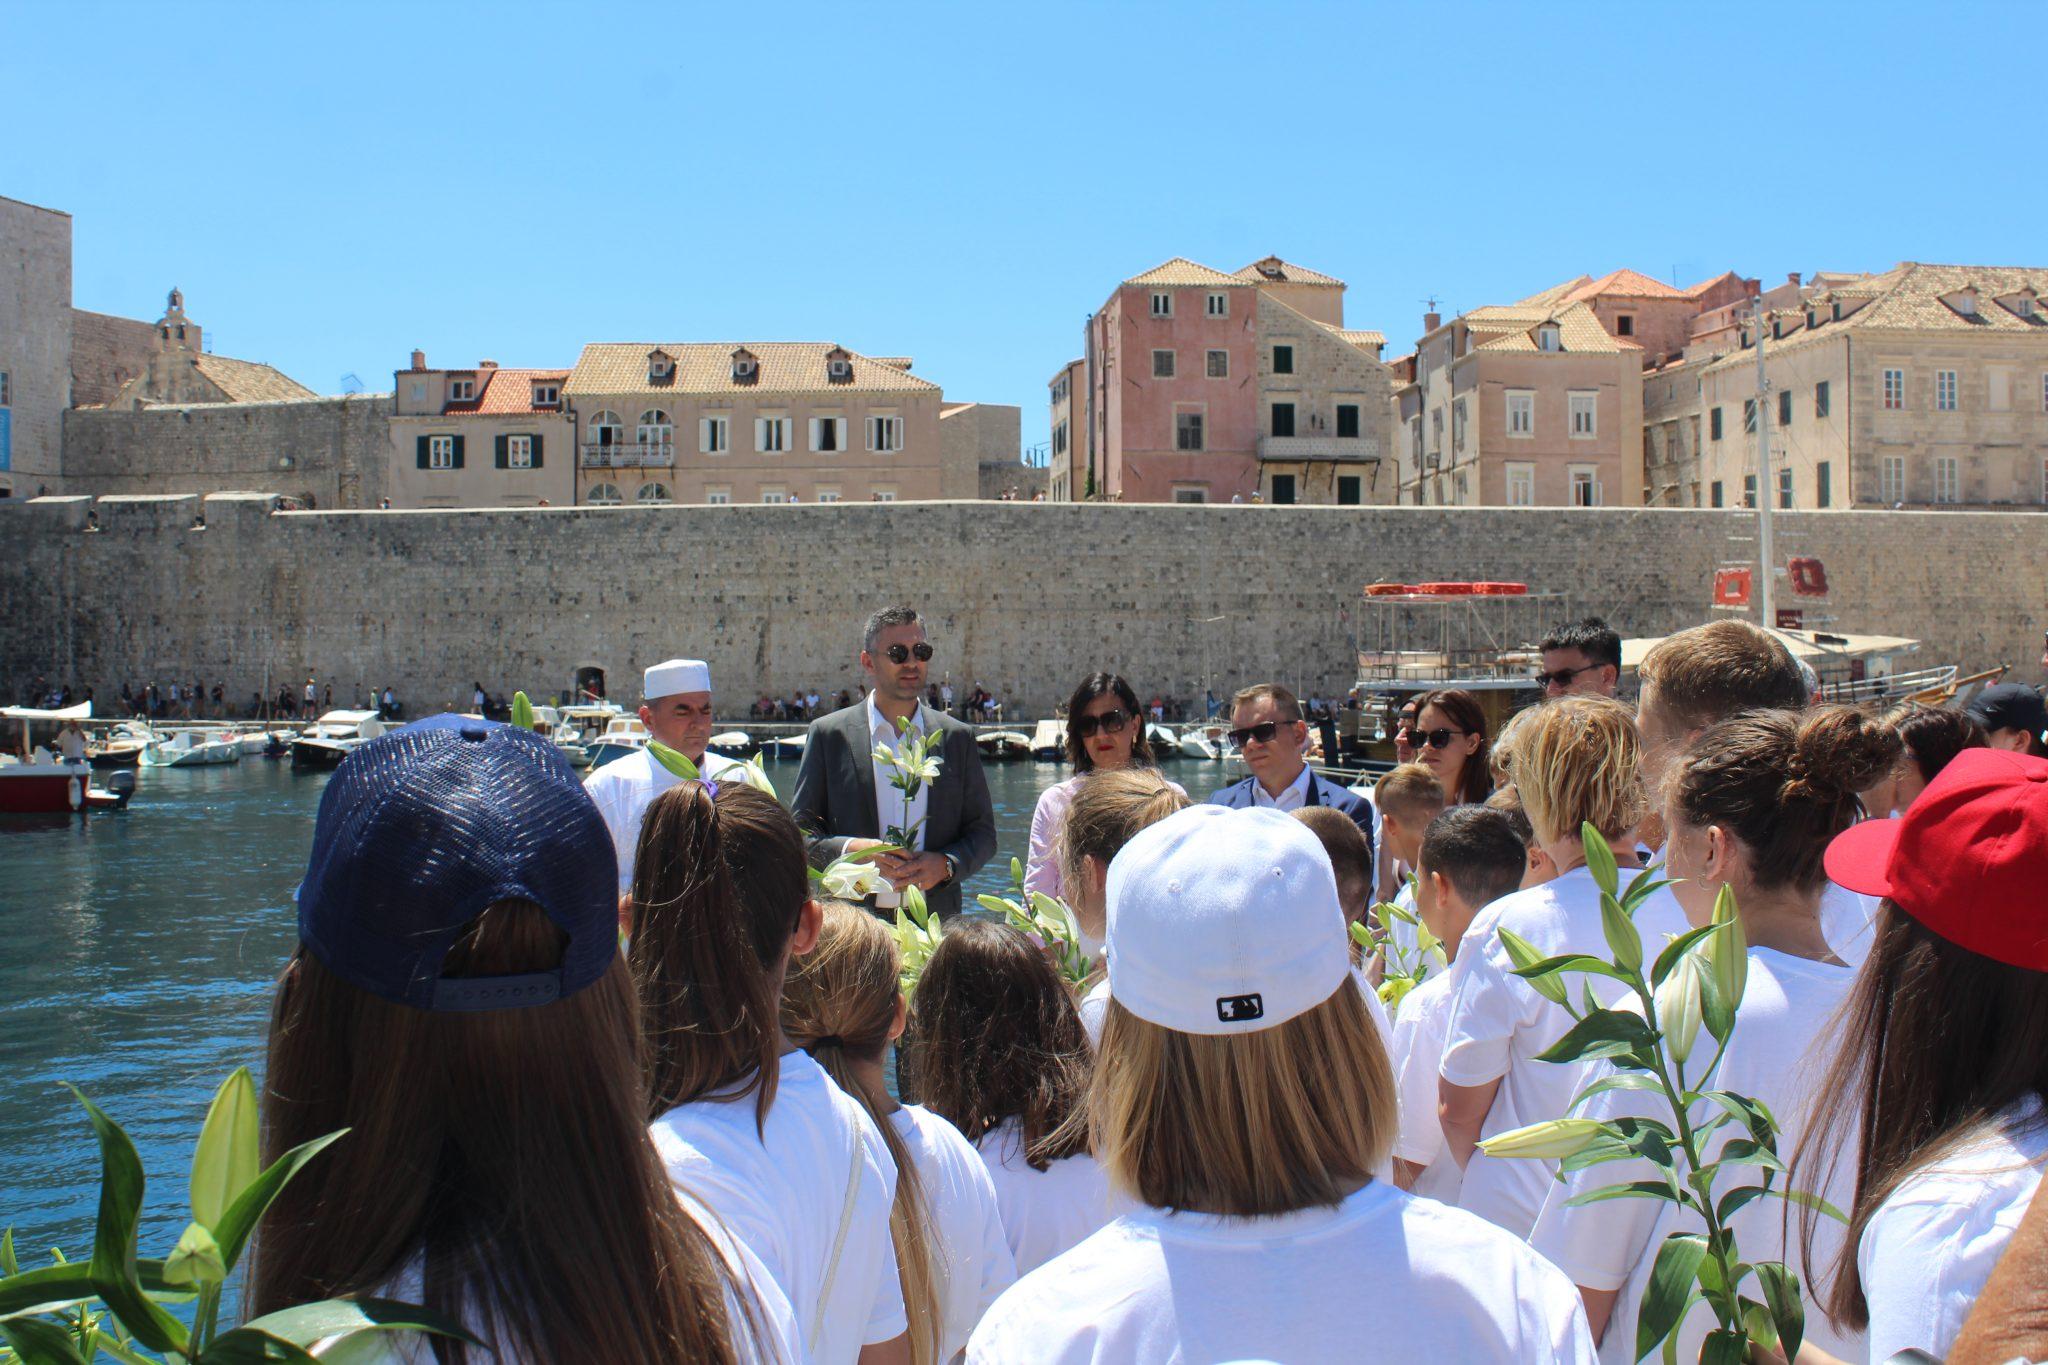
(137,954)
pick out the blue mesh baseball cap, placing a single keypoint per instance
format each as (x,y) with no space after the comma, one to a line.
(421,829)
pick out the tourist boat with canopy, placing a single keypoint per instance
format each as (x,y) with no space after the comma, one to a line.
(39,782)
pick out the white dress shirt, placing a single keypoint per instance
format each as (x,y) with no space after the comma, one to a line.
(624,788)
(1293,796)
(890,806)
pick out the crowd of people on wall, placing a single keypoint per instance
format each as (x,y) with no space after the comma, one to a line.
(623,1081)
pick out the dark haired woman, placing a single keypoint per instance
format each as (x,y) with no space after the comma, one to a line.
(496,1166)
(743,1120)
(1105,733)
(1450,738)
(996,1049)
(1751,805)
(1934,1105)
(1932,735)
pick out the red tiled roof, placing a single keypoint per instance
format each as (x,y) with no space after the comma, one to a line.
(1628,283)
(509,392)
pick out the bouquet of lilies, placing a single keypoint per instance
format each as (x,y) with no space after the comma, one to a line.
(1404,971)
(1046,918)
(912,761)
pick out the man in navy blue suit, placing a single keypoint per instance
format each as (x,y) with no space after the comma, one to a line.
(1269,731)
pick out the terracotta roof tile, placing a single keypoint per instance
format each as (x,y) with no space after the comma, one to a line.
(1182,271)
(1912,297)
(705,367)
(511,392)
(1628,284)
(1578,329)
(1287,273)
(1356,336)
(246,381)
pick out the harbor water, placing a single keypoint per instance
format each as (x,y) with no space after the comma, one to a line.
(138,950)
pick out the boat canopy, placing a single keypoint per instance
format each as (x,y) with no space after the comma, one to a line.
(82,711)
(1815,647)
(346,717)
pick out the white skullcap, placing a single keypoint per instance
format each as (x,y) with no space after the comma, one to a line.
(676,675)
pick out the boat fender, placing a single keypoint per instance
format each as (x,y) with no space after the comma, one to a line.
(76,790)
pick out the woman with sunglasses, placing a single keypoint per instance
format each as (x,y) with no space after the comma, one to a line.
(1450,737)
(1105,733)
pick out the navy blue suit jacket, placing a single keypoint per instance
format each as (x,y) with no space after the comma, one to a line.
(1321,792)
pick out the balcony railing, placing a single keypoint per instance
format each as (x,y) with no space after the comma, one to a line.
(629,455)
(1360,448)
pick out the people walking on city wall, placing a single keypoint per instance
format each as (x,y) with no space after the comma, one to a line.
(1241,1104)
(1750,806)
(1450,736)
(1104,814)
(844,799)
(843,1006)
(996,1049)
(1271,735)
(1575,761)
(458,1005)
(1581,659)
(1105,733)
(1935,1107)
(744,1120)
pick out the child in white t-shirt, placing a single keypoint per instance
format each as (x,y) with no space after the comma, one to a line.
(1470,856)
(1407,797)
(996,1049)
(1105,811)
(746,1123)
(1244,1100)
(842,1005)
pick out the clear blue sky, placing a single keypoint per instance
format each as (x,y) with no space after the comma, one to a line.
(333,185)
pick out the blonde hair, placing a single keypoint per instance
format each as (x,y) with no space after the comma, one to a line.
(1577,761)
(1408,790)
(1290,1117)
(1502,756)
(1107,809)
(840,1000)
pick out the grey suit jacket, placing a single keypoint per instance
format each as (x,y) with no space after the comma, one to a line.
(834,798)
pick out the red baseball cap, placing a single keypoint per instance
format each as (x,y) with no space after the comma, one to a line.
(1968,859)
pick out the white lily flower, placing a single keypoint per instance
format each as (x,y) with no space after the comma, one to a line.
(852,880)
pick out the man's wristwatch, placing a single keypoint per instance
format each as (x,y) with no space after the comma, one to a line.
(952,869)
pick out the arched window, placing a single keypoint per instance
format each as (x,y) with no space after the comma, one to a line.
(606,429)
(603,495)
(652,492)
(655,428)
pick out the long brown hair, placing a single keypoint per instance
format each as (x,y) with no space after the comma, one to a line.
(719,883)
(1475,779)
(994,1035)
(1783,783)
(1937,1041)
(504,1153)
(839,1005)
(1094,688)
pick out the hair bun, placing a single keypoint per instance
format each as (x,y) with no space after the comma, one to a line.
(1837,752)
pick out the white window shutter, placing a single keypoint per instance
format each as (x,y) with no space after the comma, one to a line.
(839,433)
(760,434)
(871,433)
(704,435)
(814,435)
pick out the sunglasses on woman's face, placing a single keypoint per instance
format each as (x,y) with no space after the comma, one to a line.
(898,654)
(1109,723)
(1439,738)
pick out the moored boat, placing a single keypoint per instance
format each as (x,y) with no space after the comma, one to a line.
(37,782)
(1049,741)
(191,749)
(732,743)
(1003,746)
(1165,743)
(785,746)
(334,737)
(623,735)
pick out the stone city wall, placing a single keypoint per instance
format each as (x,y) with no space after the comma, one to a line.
(337,451)
(1026,598)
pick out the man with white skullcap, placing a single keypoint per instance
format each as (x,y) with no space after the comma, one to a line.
(676,709)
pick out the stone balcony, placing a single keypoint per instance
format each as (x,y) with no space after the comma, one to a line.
(1349,449)
(629,455)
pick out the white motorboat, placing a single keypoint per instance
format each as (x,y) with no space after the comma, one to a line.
(1210,742)
(785,746)
(41,783)
(1165,743)
(1049,741)
(732,743)
(622,735)
(334,737)
(191,749)
(1003,745)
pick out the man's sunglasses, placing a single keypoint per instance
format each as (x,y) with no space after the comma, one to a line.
(1109,723)
(1563,677)
(1439,738)
(899,654)
(1263,732)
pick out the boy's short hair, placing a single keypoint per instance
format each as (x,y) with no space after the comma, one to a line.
(1350,855)
(1477,851)
(1410,789)
(1508,802)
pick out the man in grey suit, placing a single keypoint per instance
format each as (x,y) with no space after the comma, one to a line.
(844,801)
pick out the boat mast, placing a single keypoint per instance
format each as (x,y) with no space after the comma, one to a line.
(1766,485)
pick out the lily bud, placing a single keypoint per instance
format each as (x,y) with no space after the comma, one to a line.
(1728,950)
(1553,1139)
(1678,1006)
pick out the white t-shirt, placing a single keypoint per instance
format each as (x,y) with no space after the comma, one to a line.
(1848,921)
(1928,1249)
(1780,1048)
(1045,1212)
(781,1192)
(1498,1024)
(1417,1054)
(971,1262)
(1159,1286)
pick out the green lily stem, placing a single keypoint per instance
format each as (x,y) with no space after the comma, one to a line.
(205,1318)
(1719,1244)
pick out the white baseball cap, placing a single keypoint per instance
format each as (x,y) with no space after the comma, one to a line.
(1224,921)
(674,676)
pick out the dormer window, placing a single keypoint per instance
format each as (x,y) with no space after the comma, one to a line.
(1271,268)
(1964,301)
(746,366)
(838,366)
(1548,338)
(461,390)
(661,367)
(1836,311)
(1777,327)
(2023,305)
(546,395)
(1809,317)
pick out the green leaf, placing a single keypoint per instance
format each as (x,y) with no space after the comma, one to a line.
(1603,1033)
(1635,1189)
(1572,962)
(39,1342)
(1626,1080)
(1756,1321)
(242,1216)
(1781,1292)
(1523,954)
(1671,1281)
(1715,1011)
(1642,886)
(914,903)
(1624,940)
(228,1155)
(1809,1201)
(1600,859)
(113,1268)
(1674,950)
(311,1322)
(1736,1198)
(195,1261)
(1724,1346)
(522,711)
(247,1346)
(8,1265)
(53,1288)
(1596,1153)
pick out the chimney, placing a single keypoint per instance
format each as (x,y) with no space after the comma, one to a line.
(1792,278)
(419,360)
(1430,322)
(487,364)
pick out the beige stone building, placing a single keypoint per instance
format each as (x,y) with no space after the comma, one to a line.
(1067,477)
(728,422)
(179,371)
(482,437)
(1923,387)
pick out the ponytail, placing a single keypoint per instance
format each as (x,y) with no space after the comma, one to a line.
(839,1004)
(719,883)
